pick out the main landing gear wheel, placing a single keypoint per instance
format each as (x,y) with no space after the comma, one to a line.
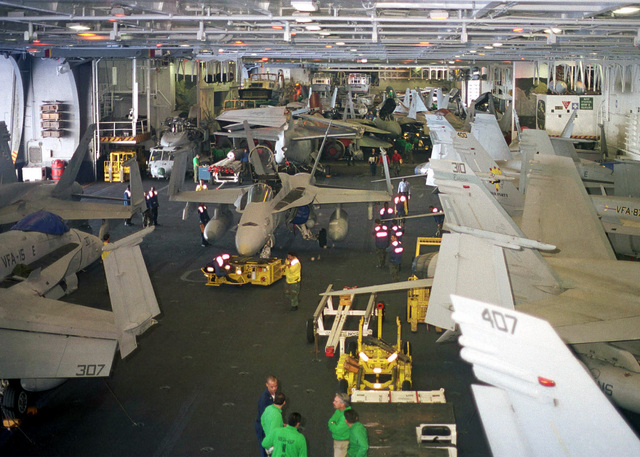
(15,402)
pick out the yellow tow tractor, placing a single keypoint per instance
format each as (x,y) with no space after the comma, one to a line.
(375,364)
(238,270)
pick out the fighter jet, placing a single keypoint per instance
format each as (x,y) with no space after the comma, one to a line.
(540,401)
(589,297)
(18,199)
(263,208)
(46,341)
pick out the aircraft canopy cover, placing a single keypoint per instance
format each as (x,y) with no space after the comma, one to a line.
(42,221)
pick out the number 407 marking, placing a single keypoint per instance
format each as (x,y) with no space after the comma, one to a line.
(503,322)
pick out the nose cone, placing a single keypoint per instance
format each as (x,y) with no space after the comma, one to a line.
(250,239)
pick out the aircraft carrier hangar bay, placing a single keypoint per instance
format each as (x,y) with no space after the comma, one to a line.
(136,70)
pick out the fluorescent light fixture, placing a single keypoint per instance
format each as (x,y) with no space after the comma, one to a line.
(324,33)
(488,47)
(353,50)
(627,10)
(78,26)
(302,18)
(339,43)
(497,45)
(304,5)
(439,15)
(313,27)
(553,30)
(472,51)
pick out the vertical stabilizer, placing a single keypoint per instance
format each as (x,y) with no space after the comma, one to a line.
(71,172)
(138,202)
(177,174)
(7,169)
(488,133)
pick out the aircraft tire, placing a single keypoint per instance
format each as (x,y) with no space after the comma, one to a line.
(343,386)
(15,402)
(406,385)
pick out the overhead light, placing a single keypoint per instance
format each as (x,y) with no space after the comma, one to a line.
(328,46)
(363,60)
(451,62)
(439,15)
(627,10)
(277,27)
(118,11)
(353,50)
(339,43)
(324,33)
(302,18)
(304,5)
(497,45)
(472,51)
(553,30)
(517,29)
(313,27)
(488,47)
(78,26)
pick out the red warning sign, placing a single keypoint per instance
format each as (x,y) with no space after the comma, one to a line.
(566,104)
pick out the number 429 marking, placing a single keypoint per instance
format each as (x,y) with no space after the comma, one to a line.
(500,321)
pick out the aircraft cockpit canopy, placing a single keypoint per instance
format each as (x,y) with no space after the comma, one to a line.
(258,193)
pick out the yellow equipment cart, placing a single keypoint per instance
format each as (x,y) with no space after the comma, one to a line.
(244,270)
(114,169)
(375,365)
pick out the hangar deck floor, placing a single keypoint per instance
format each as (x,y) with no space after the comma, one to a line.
(192,386)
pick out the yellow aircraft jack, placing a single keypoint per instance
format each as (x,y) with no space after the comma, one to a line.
(238,271)
(375,365)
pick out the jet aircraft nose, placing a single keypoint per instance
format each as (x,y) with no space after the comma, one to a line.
(250,239)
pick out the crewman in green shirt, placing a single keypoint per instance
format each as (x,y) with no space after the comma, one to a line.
(338,427)
(358,440)
(287,441)
(271,419)
(196,164)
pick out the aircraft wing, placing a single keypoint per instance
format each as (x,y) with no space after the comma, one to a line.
(43,338)
(261,133)
(311,132)
(66,209)
(132,297)
(553,186)
(329,195)
(269,116)
(373,142)
(222,196)
(544,402)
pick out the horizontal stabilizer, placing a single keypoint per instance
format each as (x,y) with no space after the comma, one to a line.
(548,404)
(133,300)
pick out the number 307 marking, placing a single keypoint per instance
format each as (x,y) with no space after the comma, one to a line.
(500,321)
(89,370)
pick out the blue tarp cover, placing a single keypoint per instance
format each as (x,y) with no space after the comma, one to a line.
(42,221)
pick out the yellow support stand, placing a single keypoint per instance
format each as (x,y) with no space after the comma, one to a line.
(114,171)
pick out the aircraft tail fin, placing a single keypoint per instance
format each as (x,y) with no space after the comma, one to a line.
(478,159)
(71,172)
(542,400)
(132,297)
(177,174)
(138,202)
(568,129)
(387,175)
(486,129)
